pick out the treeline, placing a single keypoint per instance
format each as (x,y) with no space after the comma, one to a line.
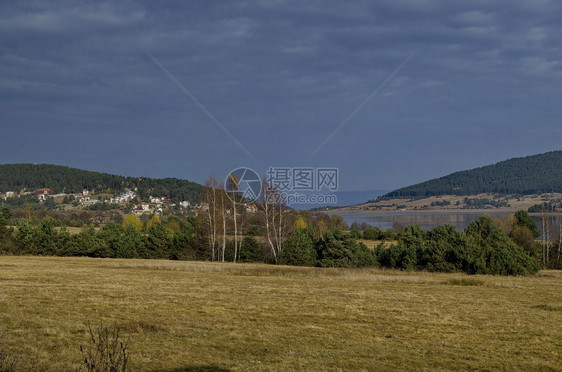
(528,175)
(171,239)
(483,248)
(61,179)
(551,206)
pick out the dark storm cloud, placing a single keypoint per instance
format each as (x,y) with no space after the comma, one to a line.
(77,86)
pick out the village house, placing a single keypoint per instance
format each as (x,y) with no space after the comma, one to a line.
(10,194)
(139,212)
(43,192)
(157,199)
(90,202)
(143,208)
(79,197)
(125,196)
(251,208)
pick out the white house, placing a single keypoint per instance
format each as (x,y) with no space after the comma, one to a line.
(124,197)
(156,200)
(90,202)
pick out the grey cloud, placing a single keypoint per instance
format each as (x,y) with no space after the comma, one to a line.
(280,75)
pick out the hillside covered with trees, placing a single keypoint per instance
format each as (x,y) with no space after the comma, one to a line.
(527,175)
(61,179)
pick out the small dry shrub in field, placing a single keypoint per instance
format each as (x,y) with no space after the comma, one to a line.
(106,351)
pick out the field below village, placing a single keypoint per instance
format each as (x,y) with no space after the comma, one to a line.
(185,316)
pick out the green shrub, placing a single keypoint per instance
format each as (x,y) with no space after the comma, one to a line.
(371,233)
(482,249)
(250,250)
(336,249)
(499,253)
(355,234)
(298,249)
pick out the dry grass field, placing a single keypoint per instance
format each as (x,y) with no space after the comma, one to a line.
(372,244)
(191,316)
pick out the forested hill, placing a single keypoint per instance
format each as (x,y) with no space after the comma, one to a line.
(61,179)
(528,175)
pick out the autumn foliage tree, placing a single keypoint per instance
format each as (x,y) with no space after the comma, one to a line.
(132,220)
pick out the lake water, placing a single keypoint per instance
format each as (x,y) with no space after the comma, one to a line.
(427,221)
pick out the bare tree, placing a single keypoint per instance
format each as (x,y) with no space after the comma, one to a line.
(220,218)
(547,232)
(223,214)
(233,185)
(550,235)
(208,213)
(559,239)
(273,213)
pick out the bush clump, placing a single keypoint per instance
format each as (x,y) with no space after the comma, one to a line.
(482,249)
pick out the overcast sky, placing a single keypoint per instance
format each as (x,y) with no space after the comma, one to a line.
(78,86)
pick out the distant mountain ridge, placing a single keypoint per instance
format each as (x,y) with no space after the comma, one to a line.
(357,197)
(344,198)
(15,177)
(525,175)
